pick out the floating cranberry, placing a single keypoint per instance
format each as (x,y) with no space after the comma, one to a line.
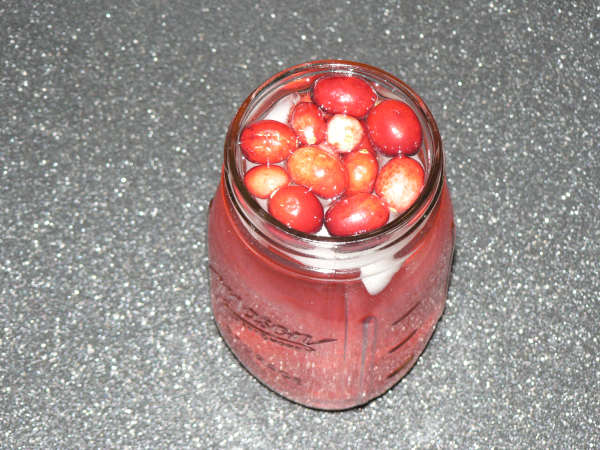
(268,141)
(308,122)
(298,208)
(400,182)
(355,214)
(263,180)
(394,128)
(318,170)
(344,95)
(344,132)
(361,167)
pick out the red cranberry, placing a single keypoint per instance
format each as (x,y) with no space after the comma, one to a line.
(344,95)
(308,122)
(394,128)
(318,170)
(263,180)
(298,208)
(268,141)
(355,214)
(400,182)
(361,167)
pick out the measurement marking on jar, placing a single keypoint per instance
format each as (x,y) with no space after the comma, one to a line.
(345,323)
(280,372)
(369,337)
(268,329)
(269,365)
(401,366)
(404,341)
(406,314)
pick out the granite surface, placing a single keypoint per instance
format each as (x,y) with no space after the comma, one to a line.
(111,130)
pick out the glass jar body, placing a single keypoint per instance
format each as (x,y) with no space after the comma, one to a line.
(324,336)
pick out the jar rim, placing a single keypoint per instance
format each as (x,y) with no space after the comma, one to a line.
(407,221)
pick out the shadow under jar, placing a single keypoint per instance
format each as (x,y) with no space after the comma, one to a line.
(328,322)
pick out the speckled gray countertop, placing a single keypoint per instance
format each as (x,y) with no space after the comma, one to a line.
(112,122)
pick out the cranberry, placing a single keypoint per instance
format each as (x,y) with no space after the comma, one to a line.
(308,122)
(394,128)
(318,170)
(344,95)
(268,141)
(361,167)
(400,182)
(355,214)
(263,180)
(298,208)
(344,132)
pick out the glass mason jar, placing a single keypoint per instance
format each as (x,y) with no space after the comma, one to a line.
(328,322)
